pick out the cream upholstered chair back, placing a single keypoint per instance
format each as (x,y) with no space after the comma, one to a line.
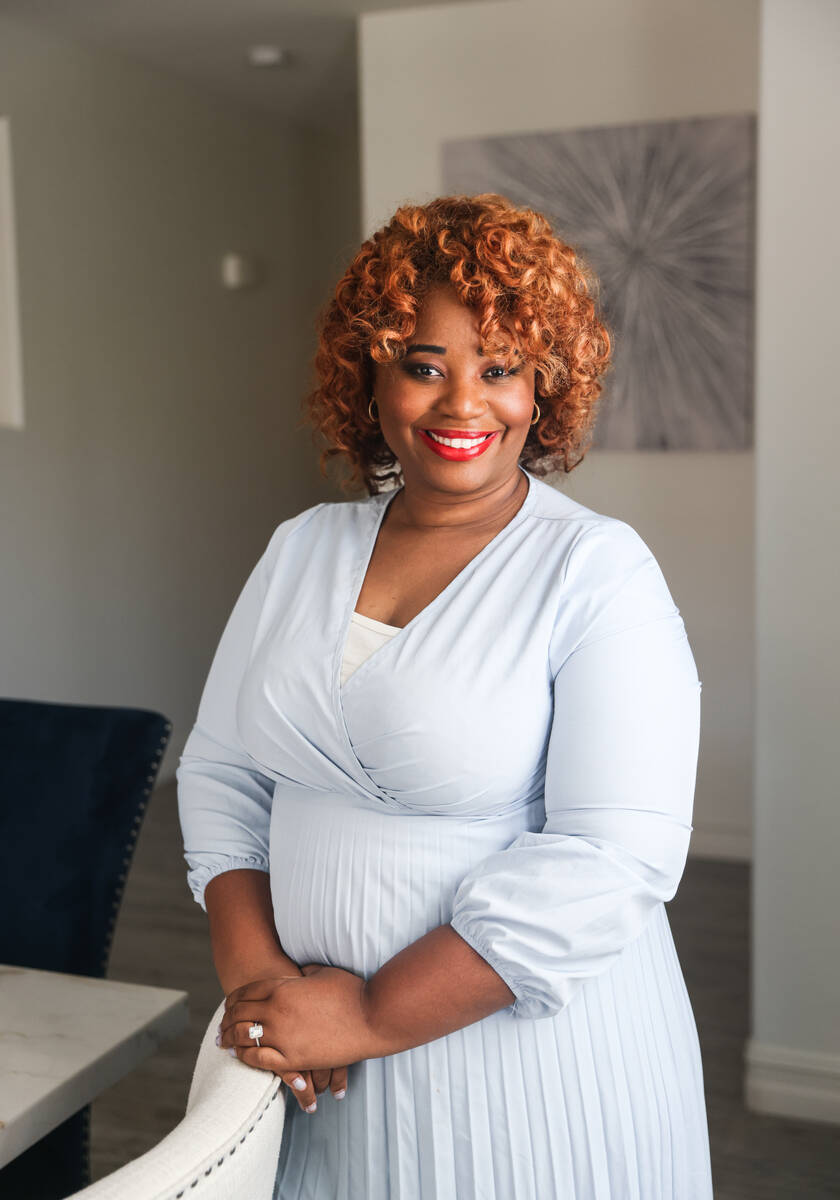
(226,1146)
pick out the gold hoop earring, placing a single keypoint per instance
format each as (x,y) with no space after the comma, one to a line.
(370,414)
(537,417)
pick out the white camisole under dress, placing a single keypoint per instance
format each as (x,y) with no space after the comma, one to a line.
(364,636)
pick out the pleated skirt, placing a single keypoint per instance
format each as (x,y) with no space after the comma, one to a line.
(602,1101)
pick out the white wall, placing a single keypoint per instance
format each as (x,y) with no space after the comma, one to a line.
(159,449)
(794,1053)
(498,68)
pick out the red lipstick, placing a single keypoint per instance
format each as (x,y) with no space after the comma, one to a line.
(459,453)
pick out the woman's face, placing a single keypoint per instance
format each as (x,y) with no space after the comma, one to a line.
(445,388)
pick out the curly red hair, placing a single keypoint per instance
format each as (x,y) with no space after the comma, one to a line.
(507,264)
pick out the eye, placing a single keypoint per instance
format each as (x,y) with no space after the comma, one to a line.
(415,368)
(512,371)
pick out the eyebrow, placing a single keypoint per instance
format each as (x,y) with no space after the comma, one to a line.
(423,348)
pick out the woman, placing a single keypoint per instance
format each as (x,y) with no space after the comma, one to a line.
(441,780)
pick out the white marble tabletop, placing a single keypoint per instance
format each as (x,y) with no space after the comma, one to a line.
(66,1038)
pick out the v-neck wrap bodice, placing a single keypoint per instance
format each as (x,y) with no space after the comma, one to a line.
(519,761)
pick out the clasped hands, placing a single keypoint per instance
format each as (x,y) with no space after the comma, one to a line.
(314,1024)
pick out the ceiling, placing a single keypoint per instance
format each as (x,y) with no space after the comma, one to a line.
(207,41)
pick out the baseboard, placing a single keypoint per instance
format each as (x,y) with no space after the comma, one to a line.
(784,1082)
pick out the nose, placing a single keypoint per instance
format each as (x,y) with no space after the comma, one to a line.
(462,400)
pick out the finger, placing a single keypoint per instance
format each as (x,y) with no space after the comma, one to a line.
(304,1095)
(254,990)
(338,1082)
(264,1058)
(248,1009)
(245,1013)
(321,1079)
(238,1034)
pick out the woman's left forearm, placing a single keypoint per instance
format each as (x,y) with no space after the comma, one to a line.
(431,988)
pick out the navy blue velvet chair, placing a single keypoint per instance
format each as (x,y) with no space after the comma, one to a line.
(74,784)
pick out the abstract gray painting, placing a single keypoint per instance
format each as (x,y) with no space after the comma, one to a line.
(664,213)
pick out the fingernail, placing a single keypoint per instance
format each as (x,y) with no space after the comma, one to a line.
(218,1039)
(312,1106)
(299,1083)
(340,1095)
(232,1051)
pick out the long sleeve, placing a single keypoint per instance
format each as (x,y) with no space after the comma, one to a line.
(224,801)
(559,905)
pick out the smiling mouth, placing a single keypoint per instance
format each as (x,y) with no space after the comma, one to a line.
(459,445)
(459,439)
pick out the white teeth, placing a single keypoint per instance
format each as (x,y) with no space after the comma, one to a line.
(458,443)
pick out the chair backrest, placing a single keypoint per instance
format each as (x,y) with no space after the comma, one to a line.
(75,780)
(74,784)
(228,1143)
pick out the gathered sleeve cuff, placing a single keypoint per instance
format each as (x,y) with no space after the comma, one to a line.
(224,808)
(559,905)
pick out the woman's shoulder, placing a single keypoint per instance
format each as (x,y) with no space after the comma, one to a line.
(606,578)
(592,541)
(312,522)
(606,571)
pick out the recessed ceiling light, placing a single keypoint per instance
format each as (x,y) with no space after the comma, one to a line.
(266,56)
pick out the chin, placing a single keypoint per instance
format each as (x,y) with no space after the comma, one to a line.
(460,477)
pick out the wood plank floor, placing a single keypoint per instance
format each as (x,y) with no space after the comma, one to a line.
(161,938)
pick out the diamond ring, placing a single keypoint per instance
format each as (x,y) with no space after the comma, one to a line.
(256,1032)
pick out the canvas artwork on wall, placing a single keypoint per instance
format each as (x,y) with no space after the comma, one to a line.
(664,212)
(11,371)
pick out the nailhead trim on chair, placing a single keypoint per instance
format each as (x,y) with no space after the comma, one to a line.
(132,838)
(86,1146)
(232,1150)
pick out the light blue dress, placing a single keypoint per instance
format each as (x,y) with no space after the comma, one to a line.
(519,761)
